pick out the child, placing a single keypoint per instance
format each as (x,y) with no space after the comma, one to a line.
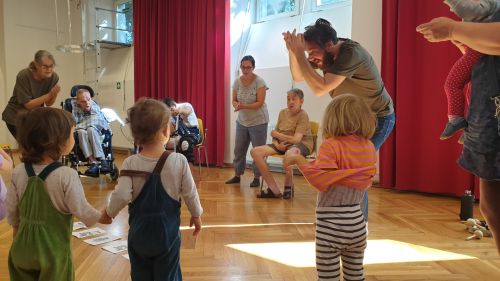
(460,73)
(154,203)
(291,136)
(5,165)
(344,169)
(43,198)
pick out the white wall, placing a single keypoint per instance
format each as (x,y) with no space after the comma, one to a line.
(360,21)
(118,65)
(27,26)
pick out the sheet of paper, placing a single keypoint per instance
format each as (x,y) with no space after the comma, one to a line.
(116,246)
(101,240)
(78,225)
(88,232)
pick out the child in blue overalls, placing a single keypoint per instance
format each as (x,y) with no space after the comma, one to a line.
(152,184)
(43,197)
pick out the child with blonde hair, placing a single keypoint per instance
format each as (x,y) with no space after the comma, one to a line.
(152,184)
(43,198)
(343,170)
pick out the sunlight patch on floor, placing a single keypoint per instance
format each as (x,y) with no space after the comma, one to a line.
(302,254)
(248,225)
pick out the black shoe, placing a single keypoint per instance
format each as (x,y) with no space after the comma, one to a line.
(255,182)
(452,128)
(93,170)
(105,166)
(234,179)
(269,194)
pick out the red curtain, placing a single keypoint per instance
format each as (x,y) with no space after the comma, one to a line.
(414,71)
(181,50)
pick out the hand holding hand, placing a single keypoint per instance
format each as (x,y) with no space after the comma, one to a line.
(105,219)
(196,221)
(438,29)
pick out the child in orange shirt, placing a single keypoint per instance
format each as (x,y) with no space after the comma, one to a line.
(344,169)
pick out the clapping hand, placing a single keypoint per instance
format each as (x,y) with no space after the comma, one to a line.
(55,90)
(294,42)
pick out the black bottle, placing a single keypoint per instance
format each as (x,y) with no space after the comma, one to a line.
(467,206)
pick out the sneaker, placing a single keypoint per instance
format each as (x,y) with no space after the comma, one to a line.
(105,166)
(93,170)
(269,194)
(452,128)
(234,179)
(288,192)
(255,182)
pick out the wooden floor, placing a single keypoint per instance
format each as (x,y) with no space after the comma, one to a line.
(411,237)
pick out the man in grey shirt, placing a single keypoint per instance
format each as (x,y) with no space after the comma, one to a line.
(347,68)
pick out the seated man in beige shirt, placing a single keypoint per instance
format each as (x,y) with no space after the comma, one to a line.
(291,136)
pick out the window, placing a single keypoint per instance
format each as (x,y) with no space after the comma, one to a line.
(124,22)
(318,5)
(271,9)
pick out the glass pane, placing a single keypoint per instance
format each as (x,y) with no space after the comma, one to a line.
(274,7)
(124,23)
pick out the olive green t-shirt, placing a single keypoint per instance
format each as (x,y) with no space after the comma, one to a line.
(26,89)
(289,124)
(361,77)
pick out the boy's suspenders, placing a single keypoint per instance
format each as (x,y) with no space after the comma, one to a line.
(157,169)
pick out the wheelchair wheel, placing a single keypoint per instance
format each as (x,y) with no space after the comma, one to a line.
(115,173)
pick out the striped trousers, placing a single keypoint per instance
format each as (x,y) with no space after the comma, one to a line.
(340,236)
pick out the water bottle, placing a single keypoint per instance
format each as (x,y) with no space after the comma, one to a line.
(467,205)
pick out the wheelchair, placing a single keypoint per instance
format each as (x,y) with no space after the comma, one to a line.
(75,159)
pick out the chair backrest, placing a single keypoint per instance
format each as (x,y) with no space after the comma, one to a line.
(202,132)
(67,104)
(314,132)
(75,89)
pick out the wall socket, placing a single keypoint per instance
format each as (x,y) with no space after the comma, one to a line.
(118,85)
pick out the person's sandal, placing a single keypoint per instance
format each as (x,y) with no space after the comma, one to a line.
(268,194)
(288,192)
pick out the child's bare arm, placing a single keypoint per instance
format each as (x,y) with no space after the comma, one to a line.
(7,161)
(196,221)
(15,228)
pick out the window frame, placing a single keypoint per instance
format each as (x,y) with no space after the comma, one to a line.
(338,3)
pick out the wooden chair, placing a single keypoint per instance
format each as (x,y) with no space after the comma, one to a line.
(314,132)
(202,144)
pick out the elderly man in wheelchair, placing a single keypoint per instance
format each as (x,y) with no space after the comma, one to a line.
(90,122)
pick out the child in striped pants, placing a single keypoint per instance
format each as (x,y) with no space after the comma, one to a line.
(343,170)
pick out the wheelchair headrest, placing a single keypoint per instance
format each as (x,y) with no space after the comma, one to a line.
(75,89)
